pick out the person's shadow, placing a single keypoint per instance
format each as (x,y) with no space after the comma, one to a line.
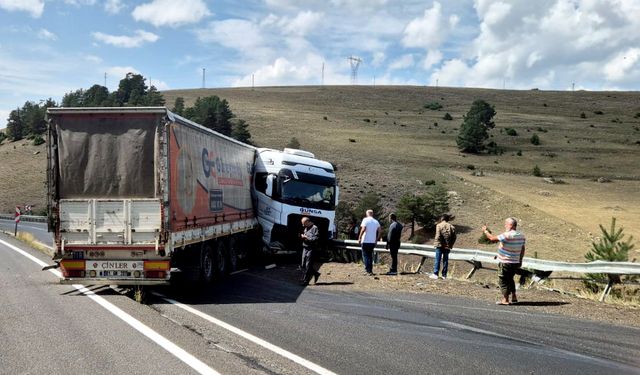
(333,283)
(540,303)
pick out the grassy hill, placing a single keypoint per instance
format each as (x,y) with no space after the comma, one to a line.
(383,139)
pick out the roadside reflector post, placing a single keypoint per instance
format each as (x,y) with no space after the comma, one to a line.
(17,220)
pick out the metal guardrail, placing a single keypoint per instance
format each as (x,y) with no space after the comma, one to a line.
(540,268)
(473,255)
(39,219)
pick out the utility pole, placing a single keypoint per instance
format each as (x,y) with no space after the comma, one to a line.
(105,79)
(253,77)
(203,78)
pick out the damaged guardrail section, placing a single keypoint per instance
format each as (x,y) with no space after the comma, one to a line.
(539,267)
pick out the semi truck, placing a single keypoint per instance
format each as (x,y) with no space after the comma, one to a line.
(141,196)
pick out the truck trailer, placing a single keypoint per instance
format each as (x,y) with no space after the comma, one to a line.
(140,196)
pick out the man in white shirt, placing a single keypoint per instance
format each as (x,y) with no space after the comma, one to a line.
(369,235)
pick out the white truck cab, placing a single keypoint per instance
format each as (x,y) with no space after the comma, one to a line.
(288,185)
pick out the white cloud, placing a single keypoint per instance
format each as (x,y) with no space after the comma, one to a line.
(93,59)
(45,34)
(120,72)
(550,44)
(623,66)
(403,62)
(34,7)
(160,85)
(113,6)
(433,58)
(302,23)
(429,31)
(79,2)
(378,58)
(232,33)
(171,13)
(140,37)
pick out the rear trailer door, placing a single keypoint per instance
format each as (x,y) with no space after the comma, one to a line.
(107,202)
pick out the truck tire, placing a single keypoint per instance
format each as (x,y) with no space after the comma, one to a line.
(221,264)
(232,253)
(208,264)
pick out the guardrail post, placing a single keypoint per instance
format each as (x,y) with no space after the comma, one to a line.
(476,266)
(424,259)
(607,290)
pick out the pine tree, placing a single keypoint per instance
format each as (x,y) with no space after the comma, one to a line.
(16,128)
(370,201)
(434,204)
(610,247)
(474,130)
(178,106)
(409,208)
(240,131)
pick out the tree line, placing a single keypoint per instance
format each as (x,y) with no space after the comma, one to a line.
(212,112)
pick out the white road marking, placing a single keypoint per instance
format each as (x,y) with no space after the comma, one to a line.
(267,345)
(169,346)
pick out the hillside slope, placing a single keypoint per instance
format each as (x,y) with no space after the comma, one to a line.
(383,139)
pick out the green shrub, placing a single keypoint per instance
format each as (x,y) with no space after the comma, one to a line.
(519,153)
(471,167)
(512,132)
(535,140)
(583,115)
(598,112)
(537,172)
(325,118)
(2,137)
(541,129)
(637,115)
(493,148)
(38,140)
(293,143)
(447,117)
(430,182)
(434,106)
(366,120)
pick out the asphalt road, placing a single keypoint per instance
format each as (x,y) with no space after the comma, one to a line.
(47,327)
(39,230)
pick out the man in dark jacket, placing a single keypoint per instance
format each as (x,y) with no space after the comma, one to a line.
(393,243)
(309,251)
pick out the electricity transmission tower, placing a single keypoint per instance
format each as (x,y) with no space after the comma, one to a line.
(355,63)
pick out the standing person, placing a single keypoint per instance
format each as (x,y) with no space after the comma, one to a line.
(510,253)
(443,241)
(309,251)
(393,243)
(369,235)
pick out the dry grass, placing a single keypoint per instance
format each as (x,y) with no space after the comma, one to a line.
(400,147)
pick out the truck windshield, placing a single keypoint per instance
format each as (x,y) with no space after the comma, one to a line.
(307,194)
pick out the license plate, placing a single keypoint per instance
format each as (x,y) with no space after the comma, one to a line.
(114,267)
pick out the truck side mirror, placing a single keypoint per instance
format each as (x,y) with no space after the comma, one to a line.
(270,180)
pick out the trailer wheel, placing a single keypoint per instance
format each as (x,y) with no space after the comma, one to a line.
(208,264)
(232,254)
(220,259)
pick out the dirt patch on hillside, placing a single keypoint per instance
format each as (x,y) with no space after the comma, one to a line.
(482,287)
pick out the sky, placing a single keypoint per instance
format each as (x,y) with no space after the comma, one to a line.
(51,47)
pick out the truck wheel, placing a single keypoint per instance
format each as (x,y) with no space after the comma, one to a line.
(220,259)
(208,269)
(232,254)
